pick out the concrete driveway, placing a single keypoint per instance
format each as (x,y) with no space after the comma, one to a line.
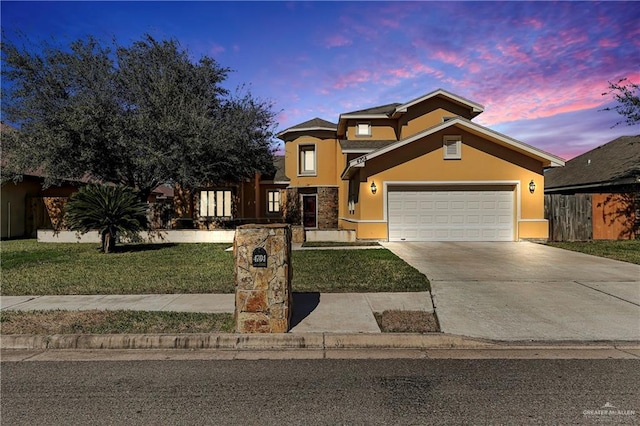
(527,291)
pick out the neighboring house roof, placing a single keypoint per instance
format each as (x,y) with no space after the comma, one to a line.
(278,162)
(165,191)
(363,145)
(548,160)
(310,125)
(614,163)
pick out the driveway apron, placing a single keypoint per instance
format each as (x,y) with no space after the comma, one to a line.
(526,291)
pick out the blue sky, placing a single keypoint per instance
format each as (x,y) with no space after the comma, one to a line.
(539,68)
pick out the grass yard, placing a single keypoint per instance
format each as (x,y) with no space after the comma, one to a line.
(29,267)
(624,250)
(32,268)
(113,322)
(354,271)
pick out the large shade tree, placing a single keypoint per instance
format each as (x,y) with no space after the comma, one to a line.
(627,97)
(138,115)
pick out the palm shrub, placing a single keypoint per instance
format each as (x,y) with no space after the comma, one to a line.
(111,210)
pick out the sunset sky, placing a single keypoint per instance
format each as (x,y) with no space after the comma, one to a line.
(539,68)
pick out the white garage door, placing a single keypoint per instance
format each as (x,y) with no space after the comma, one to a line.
(416,215)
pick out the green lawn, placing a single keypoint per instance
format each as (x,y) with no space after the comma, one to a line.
(35,268)
(625,250)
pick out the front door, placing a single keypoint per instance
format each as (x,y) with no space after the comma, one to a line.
(309,211)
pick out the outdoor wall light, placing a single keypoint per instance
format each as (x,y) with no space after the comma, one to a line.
(374,188)
(532,186)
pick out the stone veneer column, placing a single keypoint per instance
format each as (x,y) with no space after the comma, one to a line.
(263,294)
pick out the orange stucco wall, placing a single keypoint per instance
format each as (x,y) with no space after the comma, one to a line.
(422,161)
(380,129)
(427,114)
(326,154)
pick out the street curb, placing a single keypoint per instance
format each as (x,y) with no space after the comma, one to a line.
(286,341)
(319,341)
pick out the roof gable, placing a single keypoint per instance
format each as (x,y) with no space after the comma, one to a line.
(547,159)
(394,110)
(616,162)
(474,107)
(315,124)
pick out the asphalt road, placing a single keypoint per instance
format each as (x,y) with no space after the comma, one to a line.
(321,392)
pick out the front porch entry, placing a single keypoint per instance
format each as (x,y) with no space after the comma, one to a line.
(310,211)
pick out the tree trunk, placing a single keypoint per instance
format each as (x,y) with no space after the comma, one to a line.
(108,241)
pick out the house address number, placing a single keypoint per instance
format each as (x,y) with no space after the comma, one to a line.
(259,258)
(361,160)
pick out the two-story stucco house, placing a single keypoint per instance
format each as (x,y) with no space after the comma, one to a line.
(417,171)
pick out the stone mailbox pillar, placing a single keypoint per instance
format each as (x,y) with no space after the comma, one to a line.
(263,278)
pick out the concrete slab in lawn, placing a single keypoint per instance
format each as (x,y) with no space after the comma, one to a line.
(7,302)
(71,303)
(534,311)
(142,302)
(335,312)
(381,302)
(207,303)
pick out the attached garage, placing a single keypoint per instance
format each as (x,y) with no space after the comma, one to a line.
(451,213)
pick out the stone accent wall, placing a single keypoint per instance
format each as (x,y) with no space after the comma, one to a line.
(263,295)
(327,208)
(297,234)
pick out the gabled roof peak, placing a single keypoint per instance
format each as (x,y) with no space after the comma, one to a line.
(315,123)
(475,107)
(394,110)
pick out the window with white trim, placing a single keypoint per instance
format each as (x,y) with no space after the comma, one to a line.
(216,203)
(273,201)
(363,129)
(452,147)
(307,160)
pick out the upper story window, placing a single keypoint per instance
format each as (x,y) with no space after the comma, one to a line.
(363,129)
(216,203)
(307,160)
(452,147)
(273,201)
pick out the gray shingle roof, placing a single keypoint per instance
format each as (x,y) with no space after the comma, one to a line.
(382,109)
(611,163)
(314,122)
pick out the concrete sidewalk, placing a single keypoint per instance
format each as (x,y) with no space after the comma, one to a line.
(313,312)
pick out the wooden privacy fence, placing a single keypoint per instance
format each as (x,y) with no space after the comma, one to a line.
(569,217)
(584,217)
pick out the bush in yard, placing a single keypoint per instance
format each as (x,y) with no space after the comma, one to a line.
(112,210)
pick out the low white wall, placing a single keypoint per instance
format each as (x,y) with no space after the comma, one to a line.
(333,235)
(186,236)
(50,236)
(155,237)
